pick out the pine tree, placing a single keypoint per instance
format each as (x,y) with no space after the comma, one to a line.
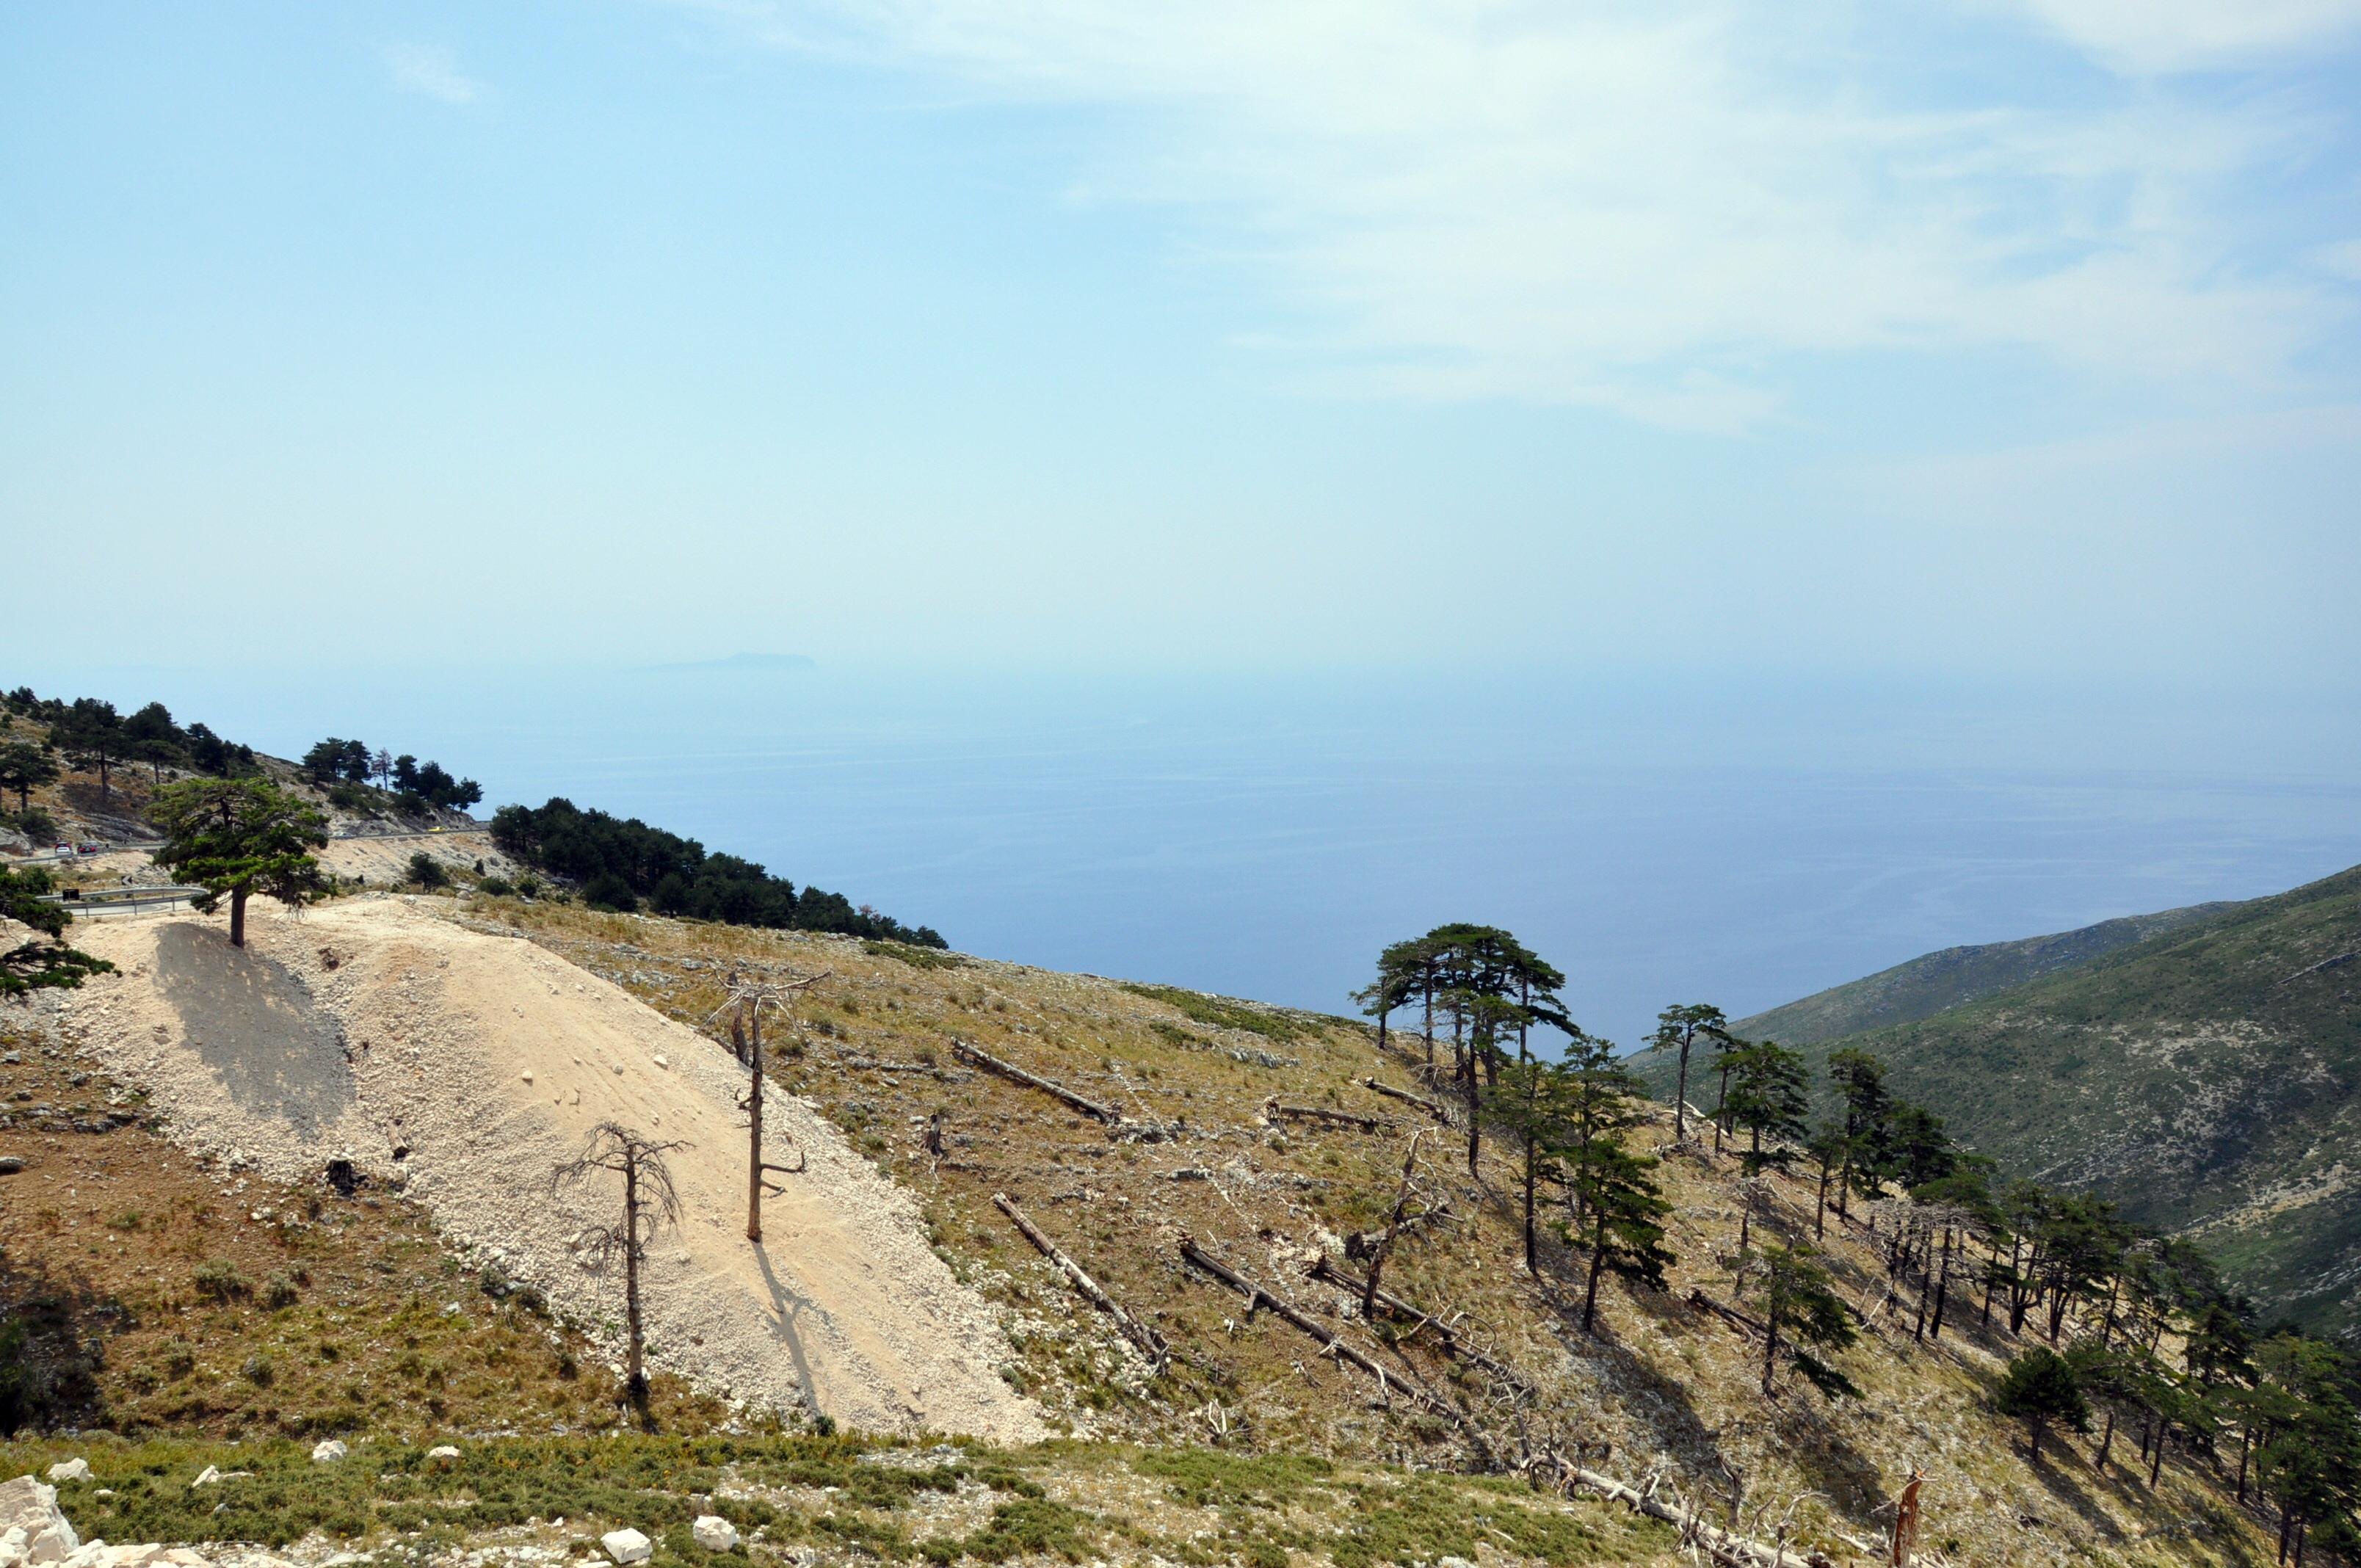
(1767,1100)
(1859,1080)
(1677,1028)
(1796,1296)
(46,963)
(1623,1205)
(239,838)
(25,767)
(2040,1386)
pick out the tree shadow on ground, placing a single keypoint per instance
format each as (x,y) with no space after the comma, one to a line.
(52,1344)
(251,1021)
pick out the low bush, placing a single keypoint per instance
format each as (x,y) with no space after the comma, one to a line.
(218,1281)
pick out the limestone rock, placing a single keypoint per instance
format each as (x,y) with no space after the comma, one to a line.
(627,1546)
(327,1453)
(714,1533)
(29,1519)
(70,1470)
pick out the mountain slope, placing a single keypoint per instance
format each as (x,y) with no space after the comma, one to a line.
(1251,1135)
(2205,1078)
(1934,983)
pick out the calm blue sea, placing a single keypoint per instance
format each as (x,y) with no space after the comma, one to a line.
(1660,840)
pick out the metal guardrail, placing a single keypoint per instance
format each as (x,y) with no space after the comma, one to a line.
(122,900)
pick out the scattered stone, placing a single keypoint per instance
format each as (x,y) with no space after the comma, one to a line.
(70,1470)
(714,1533)
(10,1164)
(327,1453)
(32,1528)
(209,1476)
(627,1546)
(445,1454)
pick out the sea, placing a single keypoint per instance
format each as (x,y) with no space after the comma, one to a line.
(1661,839)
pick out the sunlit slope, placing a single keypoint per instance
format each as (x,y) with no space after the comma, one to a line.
(1954,977)
(2203,1077)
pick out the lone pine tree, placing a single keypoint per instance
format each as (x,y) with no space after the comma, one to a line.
(236,838)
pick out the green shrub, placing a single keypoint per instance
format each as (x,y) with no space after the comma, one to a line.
(218,1279)
(427,871)
(495,886)
(278,1290)
(608,891)
(1216,1012)
(916,958)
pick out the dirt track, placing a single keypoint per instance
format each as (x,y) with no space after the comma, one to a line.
(465,1065)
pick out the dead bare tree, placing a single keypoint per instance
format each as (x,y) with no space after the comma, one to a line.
(650,1204)
(750,997)
(1393,1228)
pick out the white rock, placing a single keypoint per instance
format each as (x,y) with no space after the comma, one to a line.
(327,1453)
(29,1517)
(447,1454)
(133,1556)
(12,1546)
(627,1545)
(209,1476)
(70,1470)
(714,1533)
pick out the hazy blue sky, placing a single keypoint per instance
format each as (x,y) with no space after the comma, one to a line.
(1976,338)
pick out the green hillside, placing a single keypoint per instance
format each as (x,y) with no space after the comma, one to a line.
(2205,1078)
(1955,976)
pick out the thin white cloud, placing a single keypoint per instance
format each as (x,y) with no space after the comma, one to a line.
(430,72)
(1642,204)
(2157,35)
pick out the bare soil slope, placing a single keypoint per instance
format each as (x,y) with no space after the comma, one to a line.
(462,1068)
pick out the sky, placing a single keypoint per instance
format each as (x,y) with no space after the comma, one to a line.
(1971,340)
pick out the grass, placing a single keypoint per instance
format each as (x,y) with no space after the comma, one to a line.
(1220,1013)
(916,958)
(878,1501)
(265,1310)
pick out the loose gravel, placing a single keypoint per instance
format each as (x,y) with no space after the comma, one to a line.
(369,1037)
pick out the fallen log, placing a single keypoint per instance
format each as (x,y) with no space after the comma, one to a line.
(1435,1404)
(1730,1315)
(1452,1345)
(1015,1074)
(1318,1114)
(1730,1549)
(1407,1098)
(1150,1342)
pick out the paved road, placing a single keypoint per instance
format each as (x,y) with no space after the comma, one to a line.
(59,857)
(418,833)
